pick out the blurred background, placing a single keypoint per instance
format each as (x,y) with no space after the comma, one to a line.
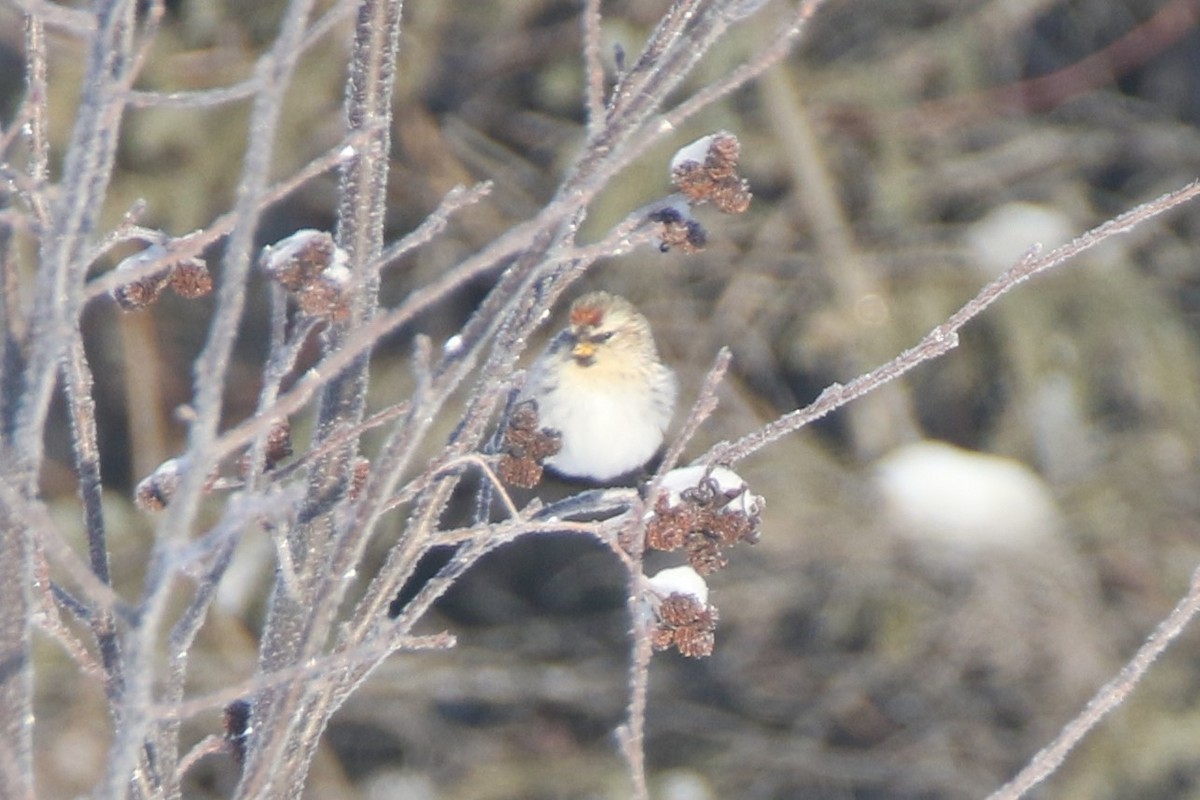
(948,569)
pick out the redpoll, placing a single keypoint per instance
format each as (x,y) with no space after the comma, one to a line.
(600,384)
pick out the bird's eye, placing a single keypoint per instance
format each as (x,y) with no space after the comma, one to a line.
(601,338)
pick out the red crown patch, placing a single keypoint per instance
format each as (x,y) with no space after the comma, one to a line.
(586,315)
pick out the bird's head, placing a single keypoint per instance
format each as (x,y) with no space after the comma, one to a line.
(606,331)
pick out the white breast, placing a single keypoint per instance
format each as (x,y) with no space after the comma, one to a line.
(608,427)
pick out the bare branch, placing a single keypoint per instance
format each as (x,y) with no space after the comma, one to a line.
(944,337)
(632,733)
(211,373)
(195,243)
(318,669)
(1110,696)
(34,516)
(204,98)
(87,170)
(456,199)
(73,21)
(79,383)
(775,51)
(593,68)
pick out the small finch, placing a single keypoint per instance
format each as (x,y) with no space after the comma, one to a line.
(600,384)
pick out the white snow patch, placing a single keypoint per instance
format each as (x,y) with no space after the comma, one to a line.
(684,784)
(287,248)
(680,580)
(142,257)
(1005,234)
(336,273)
(167,469)
(728,482)
(341,260)
(697,151)
(943,494)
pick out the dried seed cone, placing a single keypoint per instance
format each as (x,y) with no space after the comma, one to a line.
(191,278)
(298,261)
(141,293)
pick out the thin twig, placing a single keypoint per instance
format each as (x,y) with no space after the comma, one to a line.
(633,732)
(179,648)
(944,337)
(481,463)
(208,746)
(346,435)
(202,98)
(79,23)
(87,170)
(775,51)
(502,531)
(633,89)
(150,18)
(593,68)
(320,668)
(456,199)
(50,620)
(36,104)
(195,98)
(193,244)
(283,354)
(34,515)
(78,381)
(211,373)
(702,409)
(1111,695)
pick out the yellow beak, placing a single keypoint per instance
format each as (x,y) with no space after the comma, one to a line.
(583,351)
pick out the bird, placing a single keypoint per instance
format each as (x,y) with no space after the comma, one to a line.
(601,385)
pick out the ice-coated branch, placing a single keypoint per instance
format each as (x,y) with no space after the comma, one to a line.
(944,337)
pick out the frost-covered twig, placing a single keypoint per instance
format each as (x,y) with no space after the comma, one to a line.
(456,199)
(18,510)
(202,98)
(593,67)
(52,328)
(211,371)
(86,173)
(321,548)
(702,409)
(74,21)
(632,733)
(944,337)
(37,112)
(296,629)
(193,244)
(77,377)
(314,670)
(770,55)
(1111,695)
